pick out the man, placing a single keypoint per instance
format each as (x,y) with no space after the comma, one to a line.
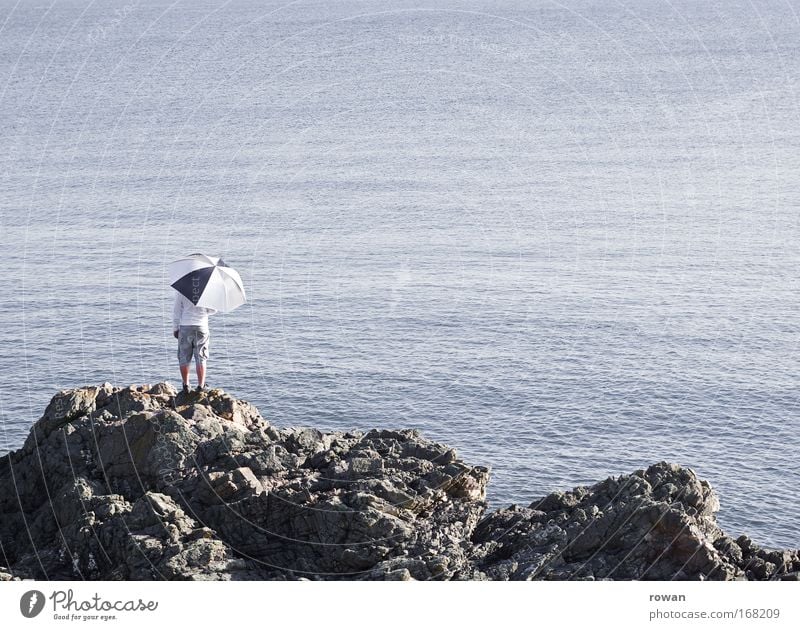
(190,327)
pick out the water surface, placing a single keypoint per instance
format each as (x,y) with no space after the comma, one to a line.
(560,237)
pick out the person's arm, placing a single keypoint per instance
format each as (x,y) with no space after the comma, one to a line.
(177,311)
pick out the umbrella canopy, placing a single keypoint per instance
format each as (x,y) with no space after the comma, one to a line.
(207,281)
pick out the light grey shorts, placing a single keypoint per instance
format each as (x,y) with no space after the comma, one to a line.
(192,341)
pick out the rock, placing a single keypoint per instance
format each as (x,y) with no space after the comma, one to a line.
(143,483)
(6,576)
(655,524)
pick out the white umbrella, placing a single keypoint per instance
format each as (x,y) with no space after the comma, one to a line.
(207,281)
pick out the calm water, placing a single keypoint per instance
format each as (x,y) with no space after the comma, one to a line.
(561,237)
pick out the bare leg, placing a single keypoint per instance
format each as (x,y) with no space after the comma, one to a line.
(201,373)
(185,374)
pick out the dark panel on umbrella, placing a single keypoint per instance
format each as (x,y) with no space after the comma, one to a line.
(193,284)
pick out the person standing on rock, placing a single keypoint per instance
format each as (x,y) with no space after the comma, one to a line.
(204,285)
(190,327)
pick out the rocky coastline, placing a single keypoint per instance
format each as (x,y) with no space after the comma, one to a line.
(141,483)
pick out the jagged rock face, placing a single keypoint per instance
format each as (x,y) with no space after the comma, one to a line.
(656,524)
(141,483)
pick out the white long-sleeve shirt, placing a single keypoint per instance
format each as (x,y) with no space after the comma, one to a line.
(184,313)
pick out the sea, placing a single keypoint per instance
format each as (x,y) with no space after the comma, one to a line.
(559,236)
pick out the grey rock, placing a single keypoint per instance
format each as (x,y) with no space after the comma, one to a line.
(656,524)
(143,483)
(6,576)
